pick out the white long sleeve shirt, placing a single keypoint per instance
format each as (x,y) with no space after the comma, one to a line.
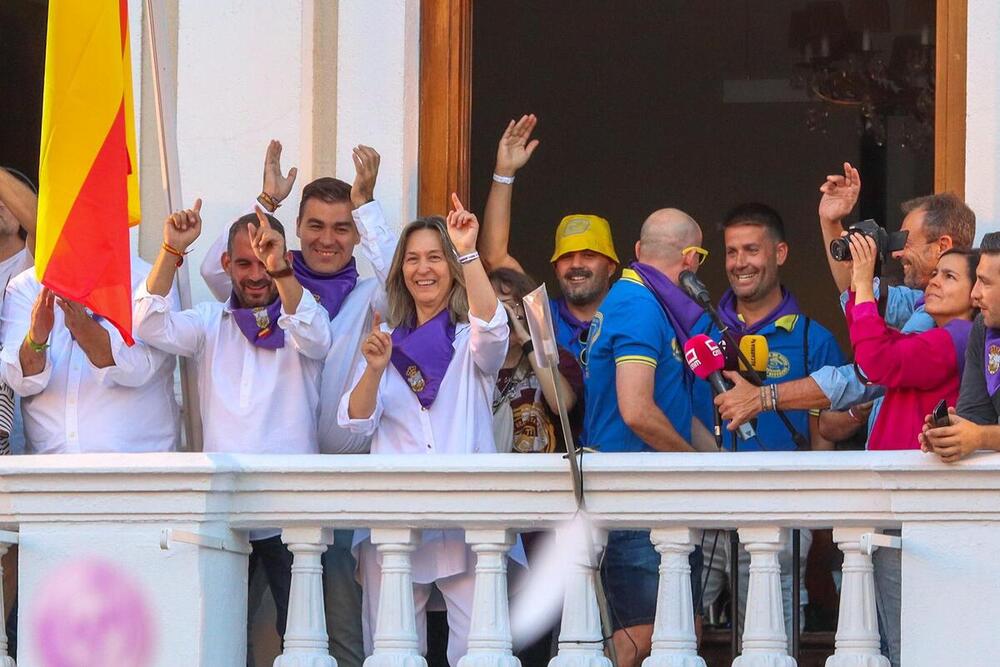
(460,421)
(253,400)
(73,406)
(352,323)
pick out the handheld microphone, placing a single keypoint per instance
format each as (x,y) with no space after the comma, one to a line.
(705,360)
(695,288)
(754,347)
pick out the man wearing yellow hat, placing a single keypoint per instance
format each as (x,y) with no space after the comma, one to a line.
(584,258)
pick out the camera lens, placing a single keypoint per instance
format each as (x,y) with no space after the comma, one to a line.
(840,249)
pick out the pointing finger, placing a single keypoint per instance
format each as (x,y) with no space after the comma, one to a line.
(457,202)
(376,322)
(197,205)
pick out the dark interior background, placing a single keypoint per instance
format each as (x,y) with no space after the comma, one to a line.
(634,116)
(22,66)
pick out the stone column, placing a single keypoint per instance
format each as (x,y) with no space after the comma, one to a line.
(580,636)
(490,643)
(395,641)
(5,659)
(674,641)
(306,641)
(764,640)
(857,642)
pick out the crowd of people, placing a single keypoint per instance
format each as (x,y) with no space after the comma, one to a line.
(432,355)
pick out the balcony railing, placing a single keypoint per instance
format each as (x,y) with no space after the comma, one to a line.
(115,509)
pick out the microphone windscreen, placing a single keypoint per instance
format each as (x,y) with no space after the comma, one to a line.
(754,347)
(703,356)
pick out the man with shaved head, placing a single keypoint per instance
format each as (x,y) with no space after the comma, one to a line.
(638,399)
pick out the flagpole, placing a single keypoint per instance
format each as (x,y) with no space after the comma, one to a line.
(170,173)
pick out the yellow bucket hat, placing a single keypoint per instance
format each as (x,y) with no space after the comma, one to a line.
(584,232)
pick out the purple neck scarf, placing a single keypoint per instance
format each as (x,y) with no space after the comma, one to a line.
(992,366)
(959,330)
(329,289)
(578,326)
(680,309)
(729,316)
(422,355)
(259,325)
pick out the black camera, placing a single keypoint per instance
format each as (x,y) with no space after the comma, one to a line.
(886,243)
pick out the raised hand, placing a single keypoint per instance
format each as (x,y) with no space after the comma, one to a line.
(840,194)
(377,347)
(42,316)
(863,257)
(182,228)
(463,227)
(268,244)
(366,161)
(77,320)
(276,185)
(516,145)
(515,317)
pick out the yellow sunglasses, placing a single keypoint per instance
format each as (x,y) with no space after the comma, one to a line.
(702,253)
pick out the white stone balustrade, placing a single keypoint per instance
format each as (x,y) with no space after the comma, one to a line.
(114,509)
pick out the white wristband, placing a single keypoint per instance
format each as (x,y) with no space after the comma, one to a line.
(506,180)
(468,259)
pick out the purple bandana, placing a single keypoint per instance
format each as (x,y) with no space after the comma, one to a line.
(729,316)
(259,325)
(992,365)
(578,326)
(959,330)
(679,308)
(329,289)
(422,355)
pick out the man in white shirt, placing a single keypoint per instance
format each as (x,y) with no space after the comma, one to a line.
(259,355)
(334,217)
(77,378)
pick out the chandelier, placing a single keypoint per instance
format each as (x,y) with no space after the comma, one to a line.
(841,66)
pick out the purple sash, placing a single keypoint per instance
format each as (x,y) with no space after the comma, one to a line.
(330,289)
(959,330)
(259,325)
(682,312)
(578,326)
(422,355)
(729,316)
(992,365)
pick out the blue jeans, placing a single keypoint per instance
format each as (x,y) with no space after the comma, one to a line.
(889,598)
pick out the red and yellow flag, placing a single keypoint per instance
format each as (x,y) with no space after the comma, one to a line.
(88,168)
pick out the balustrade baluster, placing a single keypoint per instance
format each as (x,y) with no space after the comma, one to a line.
(857,643)
(580,643)
(764,640)
(490,642)
(306,641)
(395,641)
(674,641)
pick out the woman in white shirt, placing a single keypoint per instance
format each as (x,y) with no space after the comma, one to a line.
(425,387)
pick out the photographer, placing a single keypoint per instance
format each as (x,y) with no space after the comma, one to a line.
(974,423)
(886,355)
(934,224)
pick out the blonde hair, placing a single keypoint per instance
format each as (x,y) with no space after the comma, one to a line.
(402,308)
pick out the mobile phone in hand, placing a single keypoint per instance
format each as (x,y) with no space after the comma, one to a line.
(940,414)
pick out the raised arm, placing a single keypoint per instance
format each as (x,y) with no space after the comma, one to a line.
(275,187)
(377,349)
(513,152)
(463,228)
(840,195)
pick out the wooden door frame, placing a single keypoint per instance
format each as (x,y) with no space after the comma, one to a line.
(446,100)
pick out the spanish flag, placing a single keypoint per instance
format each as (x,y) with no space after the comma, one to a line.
(88,167)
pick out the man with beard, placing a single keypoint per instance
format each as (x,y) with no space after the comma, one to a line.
(934,223)
(584,258)
(259,356)
(334,217)
(758,304)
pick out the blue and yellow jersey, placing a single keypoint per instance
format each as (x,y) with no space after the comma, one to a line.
(567,335)
(630,327)
(790,340)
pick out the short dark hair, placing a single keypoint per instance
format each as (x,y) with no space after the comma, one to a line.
(944,215)
(518,284)
(990,245)
(757,214)
(971,256)
(250,219)
(328,189)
